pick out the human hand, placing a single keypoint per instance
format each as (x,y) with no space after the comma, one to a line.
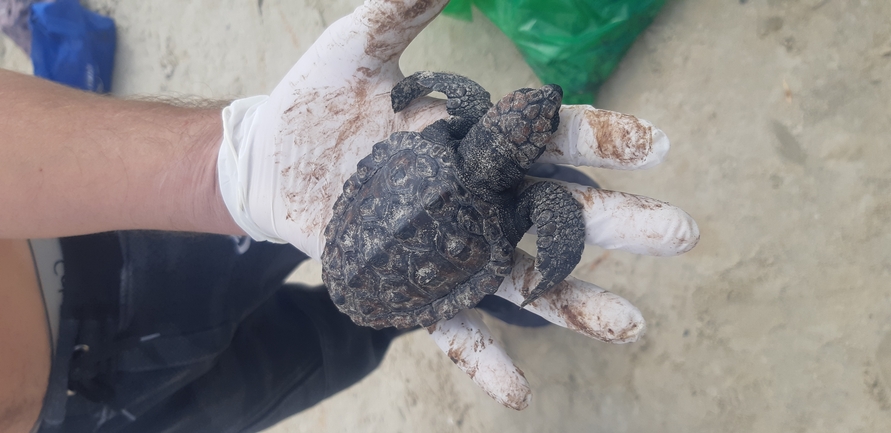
(285,159)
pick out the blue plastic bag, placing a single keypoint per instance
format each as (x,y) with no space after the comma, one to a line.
(72,46)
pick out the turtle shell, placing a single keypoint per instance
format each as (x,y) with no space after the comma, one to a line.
(407,244)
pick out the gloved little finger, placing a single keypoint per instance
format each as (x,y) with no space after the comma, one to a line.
(633,223)
(574,304)
(470,345)
(591,137)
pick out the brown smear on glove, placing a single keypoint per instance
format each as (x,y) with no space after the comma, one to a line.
(615,131)
(355,102)
(517,398)
(382,43)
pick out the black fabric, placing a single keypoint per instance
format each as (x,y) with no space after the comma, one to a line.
(561,172)
(195,333)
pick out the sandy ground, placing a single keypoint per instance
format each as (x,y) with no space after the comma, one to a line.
(778,111)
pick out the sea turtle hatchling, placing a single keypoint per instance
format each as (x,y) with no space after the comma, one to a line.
(428,224)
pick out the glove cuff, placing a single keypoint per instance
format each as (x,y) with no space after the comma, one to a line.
(233,164)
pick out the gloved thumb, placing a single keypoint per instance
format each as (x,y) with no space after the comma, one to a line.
(390,25)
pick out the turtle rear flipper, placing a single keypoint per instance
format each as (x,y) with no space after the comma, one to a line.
(560,225)
(467,100)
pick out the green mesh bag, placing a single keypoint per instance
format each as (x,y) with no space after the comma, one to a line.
(573,43)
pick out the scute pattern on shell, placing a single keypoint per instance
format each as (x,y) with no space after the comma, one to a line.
(408,245)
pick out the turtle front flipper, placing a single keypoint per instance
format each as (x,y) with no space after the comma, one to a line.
(560,225)
(467,100)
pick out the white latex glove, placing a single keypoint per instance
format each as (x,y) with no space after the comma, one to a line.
(285,158)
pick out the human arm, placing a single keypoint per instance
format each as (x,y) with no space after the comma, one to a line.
(75,162)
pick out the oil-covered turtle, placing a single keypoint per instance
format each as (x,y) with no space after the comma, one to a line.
(428,224)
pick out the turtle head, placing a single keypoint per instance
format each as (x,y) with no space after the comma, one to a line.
(525,120)
(498,150)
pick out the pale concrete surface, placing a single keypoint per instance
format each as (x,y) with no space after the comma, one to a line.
(778,111)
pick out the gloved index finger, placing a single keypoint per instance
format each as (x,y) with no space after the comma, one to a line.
(600,138)
(390,25)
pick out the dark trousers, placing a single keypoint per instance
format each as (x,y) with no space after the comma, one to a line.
(167,332)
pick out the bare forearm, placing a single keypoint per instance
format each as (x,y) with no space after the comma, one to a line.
(73,163)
